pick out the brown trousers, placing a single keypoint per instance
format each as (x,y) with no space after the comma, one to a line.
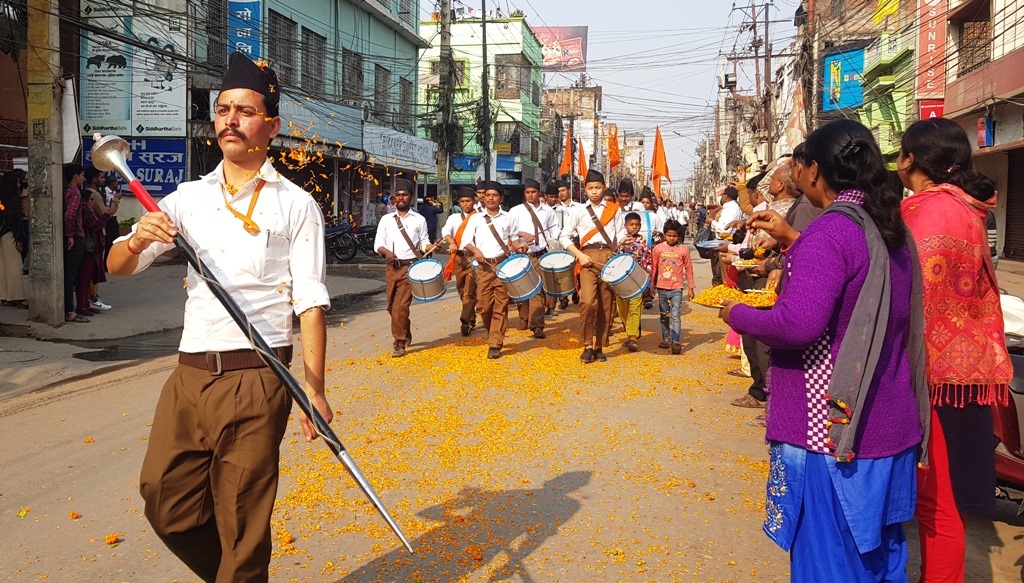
(531,312)
(597,301)
(494,300)
(209,477)
(465,282)
(399,299)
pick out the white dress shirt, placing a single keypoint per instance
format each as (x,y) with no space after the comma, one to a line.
(479,234)
(548,222)
(270,275)
(731,211)
(451,226)
(578,222)
(389,237)
(634,206)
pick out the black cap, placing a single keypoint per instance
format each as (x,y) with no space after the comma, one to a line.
(646,192)
(531,183)
(480,183)
(494,185)
(466,192)
(594,176)
(608,192)
(551,188)
(562,184)
(243,73)
(626,185)
(406,185)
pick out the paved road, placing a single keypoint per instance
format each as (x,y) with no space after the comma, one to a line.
(530,468)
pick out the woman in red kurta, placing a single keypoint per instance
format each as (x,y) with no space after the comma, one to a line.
(969,369)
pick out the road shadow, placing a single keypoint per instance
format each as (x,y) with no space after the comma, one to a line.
(476,527)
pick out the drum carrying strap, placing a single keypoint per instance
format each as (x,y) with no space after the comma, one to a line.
(537,229)
(600,227)
(497,237)
(401,229)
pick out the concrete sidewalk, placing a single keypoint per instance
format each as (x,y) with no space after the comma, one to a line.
(35,355)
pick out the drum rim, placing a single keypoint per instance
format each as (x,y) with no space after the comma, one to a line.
(425,300)
(426,260)
(639,293)
(519,276)
(608,264)
(540,262)
(537,289)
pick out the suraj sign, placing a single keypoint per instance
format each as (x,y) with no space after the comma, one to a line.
(931,49)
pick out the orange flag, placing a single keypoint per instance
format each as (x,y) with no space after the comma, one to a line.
(583,163)
(659,164)
(614,157)
(566,166)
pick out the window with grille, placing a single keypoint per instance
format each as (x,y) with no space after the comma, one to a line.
(407,12)
(381,93)
(405,105)
(281,49)
(975,48)
(217,33)
(436,73)
(352,77)
(314,62)
(507,76)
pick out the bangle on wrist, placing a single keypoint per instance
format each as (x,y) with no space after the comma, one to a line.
(128,244)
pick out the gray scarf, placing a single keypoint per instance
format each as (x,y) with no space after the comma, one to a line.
(862,345)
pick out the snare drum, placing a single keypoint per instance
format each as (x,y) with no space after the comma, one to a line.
(426,278)
(520,278)
(556,271)
(627,279)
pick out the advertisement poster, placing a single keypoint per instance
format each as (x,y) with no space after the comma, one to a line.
(564,47)
(843,80)
(931,49)
(127,89)
(159,164)
(244,27)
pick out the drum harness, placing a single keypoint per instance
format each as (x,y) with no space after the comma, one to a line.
(537,228)
(600,228)
(401,229)
(497,237)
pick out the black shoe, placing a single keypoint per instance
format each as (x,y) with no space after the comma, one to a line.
(398,352)
(648,305)
(575,298)
(663,344)
(588,356)
(465,329)
(539,333)
(493,353)
(632,346)
(677,348)
(599,355)
(563,303)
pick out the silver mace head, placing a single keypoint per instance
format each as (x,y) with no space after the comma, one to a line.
(111,153)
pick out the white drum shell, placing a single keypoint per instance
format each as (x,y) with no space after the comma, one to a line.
(426,278)
(519,277)
(625,276)
(556,272)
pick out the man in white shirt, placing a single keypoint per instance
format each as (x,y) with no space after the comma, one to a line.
(731,210)
(537,225)
(651,223)
(401,238)
(222,411)
(492,237)
(599,227)
(480,191)
(459,262)
(625,196)
(565,197)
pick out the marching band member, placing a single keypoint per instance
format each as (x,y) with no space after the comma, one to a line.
(491,238)
(401,239)
(460,261)
(598,225)
(536,223)
(551,195)
(565,197)
(626,195)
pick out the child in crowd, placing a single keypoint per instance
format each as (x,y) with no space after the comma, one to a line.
(671,258)
(630,310)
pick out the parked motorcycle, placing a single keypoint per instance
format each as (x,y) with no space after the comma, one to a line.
(364,237)
(1008,421)
(340,243)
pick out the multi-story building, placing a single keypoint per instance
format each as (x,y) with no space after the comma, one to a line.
(514,62)
(633,157)
(984,90)
(578,108)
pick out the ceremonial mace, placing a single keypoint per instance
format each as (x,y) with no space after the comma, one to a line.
(111,153)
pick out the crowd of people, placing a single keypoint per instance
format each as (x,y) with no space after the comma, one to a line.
(879,391)
(91,201)
(483,234)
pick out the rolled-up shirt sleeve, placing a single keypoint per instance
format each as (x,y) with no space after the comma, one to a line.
(571,220)
(307,261)
(156,248)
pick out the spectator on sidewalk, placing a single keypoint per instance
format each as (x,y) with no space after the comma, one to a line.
(90,272)
(112,198)
(430,212)
(102,212)
(13,239)
(74,238)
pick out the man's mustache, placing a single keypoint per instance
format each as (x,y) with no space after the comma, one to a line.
(231,131)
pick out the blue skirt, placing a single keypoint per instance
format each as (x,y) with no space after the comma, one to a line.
(841,521)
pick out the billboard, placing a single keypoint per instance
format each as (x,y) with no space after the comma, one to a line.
(159,164)
(244,20)
(843,80)
(564,47)
(931,49)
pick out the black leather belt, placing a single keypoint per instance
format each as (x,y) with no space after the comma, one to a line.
(495,260)
(597,246)
(401,262)
(464,253)
(217,363)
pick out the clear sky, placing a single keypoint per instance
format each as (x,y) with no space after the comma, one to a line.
(658,60)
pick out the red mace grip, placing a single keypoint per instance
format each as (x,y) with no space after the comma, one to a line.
(140,193)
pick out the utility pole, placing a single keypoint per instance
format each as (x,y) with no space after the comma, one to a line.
(45,174)
(487,94)
(812,34)
(572,156)
(446,86)
(769,121)
(756,46)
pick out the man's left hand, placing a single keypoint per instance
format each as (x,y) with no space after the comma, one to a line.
(319,400)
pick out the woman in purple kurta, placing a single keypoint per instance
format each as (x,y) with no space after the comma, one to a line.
(842,471)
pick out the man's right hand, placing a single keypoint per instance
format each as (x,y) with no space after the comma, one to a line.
(156,226)
(773,224)
(70,242)
(585,260)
